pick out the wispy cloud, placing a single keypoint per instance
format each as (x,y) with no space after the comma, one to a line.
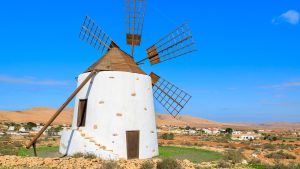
(291,17)
(31,81)
(283,85)
(294,103)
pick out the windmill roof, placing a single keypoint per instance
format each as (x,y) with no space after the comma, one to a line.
(116,60)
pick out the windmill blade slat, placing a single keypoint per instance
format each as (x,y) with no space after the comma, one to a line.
(156,59)
(175,44)
(168,95)
(94,35)
(135,11)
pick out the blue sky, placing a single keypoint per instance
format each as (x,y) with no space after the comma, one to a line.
(246,67)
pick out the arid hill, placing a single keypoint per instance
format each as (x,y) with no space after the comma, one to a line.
(166,119)
(42,114)
(37,115)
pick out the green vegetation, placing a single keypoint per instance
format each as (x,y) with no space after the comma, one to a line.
(223,138)
(147,165)
(275,166)
(270,137)
(5,137)
(167,136)
(280,155)
(29,126)
(192,154)
(42,151)
(229,130)
(53,130)
(110,165)
(168,163)
(87,155)
(223,164)
(234,156)
(6,148)
(269,146)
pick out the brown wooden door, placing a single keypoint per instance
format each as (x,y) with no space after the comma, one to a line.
(133,142)
(82,105)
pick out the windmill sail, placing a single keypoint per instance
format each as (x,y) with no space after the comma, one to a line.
(134,21)
(95,36)
(175,44)
(168,95)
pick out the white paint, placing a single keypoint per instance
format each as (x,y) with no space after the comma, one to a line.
(117,102)
(11,128)
(22,129)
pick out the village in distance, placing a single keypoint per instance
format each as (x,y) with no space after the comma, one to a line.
(194,142)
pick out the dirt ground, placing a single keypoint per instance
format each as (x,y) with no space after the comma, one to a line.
(75,163)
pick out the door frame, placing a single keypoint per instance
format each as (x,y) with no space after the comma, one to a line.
(81,112)
(137,144)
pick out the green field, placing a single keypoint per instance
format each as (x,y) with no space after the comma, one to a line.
(42,151)
(181,153)
(192,154)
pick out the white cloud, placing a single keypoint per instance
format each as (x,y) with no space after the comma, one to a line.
(291,17)
(31,81)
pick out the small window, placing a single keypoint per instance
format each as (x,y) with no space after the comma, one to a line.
(82,105)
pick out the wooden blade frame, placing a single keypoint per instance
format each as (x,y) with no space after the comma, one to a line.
(95,36)
(135,11)
(175,44)
(168,95)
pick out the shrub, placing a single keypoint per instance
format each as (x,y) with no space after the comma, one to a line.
(147,165)
(110,165)
(90,156)
(269,146)
(223,164)
(234,156)
(8,151)
(168,136)
(202,167)
(17,144)
(168,163)
(255,161)
(78,155)
(5,137)
(29,125)
(229,130)
(86,155)
(280,155)
(278,166)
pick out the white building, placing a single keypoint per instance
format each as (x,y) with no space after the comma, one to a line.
(11,128)
(114,112)
(37,128)
(212,131)
(245,136)
(192,132)
(236,132)
(22,129)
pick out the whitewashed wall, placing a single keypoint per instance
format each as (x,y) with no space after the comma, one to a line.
(117,102)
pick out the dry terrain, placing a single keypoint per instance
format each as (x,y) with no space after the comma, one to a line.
(42,114)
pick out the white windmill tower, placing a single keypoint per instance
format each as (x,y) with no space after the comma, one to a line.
(114,113)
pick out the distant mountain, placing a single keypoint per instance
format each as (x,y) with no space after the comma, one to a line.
(37,115)
(166,119)
(42,114)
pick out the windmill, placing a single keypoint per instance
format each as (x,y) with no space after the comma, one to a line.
(114,115)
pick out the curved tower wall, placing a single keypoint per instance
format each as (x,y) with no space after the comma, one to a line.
(117,103)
